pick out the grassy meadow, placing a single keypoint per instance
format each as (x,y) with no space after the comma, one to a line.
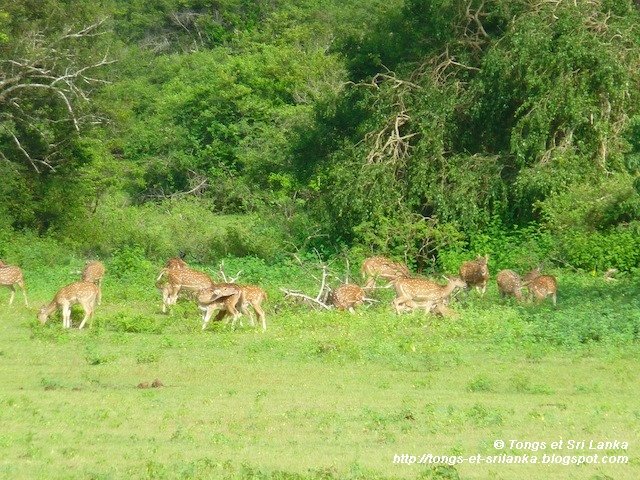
(319,395)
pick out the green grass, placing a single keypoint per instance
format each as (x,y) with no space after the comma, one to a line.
(320,395)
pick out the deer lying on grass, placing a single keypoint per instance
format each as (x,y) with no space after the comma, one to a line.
(476,272)
(10,276)
(384,268)
(543,286)
(180,279)
(254,296)
(412,291)
(93,272)
(226,297)
(84,293)
(347,296)
(509,283)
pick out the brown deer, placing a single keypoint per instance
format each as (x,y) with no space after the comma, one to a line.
(226,297)
(384,268)
(410,291)
(347,296)
(10,276)
(180,279)
(93,272)
(176,262)
(531,274)
(543,286)
(509,283)
(254,296)
(476,272)
(84,293)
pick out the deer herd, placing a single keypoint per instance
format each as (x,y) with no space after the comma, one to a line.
(230,299)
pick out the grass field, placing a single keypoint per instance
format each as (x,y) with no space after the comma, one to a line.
(323,395)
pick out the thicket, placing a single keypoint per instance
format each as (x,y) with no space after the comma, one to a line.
(426,130)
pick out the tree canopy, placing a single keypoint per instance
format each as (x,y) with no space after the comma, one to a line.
(418,128)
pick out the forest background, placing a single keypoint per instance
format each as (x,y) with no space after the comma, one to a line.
(429,131)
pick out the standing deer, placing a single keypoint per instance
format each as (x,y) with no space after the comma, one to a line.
(509,283)
(347,296)
(226,297)
(93,272)
(179,279)
(254,296)
(384,268)
(543,286)
(476,272)
(84,293)
(176,262)
(413,291)
(10,276)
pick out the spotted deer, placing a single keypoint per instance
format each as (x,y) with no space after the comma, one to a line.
(347,296)
(10,276)
(374,268)
(180,279)
(254,296)
(411,291)
(476,273)
(84,293)
(543,286)
(93,272)
(509,283)
(226,297)
(176,262)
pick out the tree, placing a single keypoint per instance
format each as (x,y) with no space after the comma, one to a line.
(48,73)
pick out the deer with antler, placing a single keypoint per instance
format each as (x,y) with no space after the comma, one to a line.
(84,293)
(10,276)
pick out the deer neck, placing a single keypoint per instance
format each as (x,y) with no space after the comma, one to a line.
(447,289)
(49,309)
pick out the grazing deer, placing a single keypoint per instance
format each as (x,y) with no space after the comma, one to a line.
(476,272)
(347,296)
(226,297)
(543,286)
(381,267)
(509,283)
(254,296)
(179,279)
(84,293)
(93,272)
(10,276)
(410,291)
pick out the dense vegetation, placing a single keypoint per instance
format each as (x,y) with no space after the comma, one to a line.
(428,130)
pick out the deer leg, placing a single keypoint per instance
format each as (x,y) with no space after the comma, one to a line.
(24,294)
(66,316)
(206,316)
(88,312)
(400,301)
(13,293)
